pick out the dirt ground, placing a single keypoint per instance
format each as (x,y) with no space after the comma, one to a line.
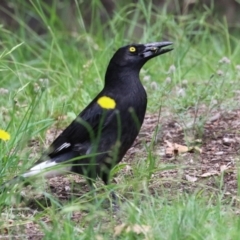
(203,155)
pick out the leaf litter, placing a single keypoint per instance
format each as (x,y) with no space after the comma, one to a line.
(198,163)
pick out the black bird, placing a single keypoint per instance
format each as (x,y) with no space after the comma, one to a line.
(103,132)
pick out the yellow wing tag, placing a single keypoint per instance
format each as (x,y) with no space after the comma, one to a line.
(106,102)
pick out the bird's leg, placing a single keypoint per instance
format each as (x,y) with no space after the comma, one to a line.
(115,200)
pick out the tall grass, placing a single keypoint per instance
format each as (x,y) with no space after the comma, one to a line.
(51,77)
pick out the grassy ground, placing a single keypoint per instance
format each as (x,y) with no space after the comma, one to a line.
(45,82)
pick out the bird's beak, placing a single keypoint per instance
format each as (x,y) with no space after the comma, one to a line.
(154,49)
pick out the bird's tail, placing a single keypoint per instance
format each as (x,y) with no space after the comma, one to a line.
(45,169)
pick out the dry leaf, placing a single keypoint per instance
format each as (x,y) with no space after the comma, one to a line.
(170,145)
(228,141)
(198,149)
(98,237)
(214,118)
(209,174)
(136,228)
(62,117)
(175,149)
(119,229)
(169,152)
(223,168)
(128,169)
(227,168)
(190,178)
(181,148)
(219,153)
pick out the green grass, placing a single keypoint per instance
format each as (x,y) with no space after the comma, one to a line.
(58,73)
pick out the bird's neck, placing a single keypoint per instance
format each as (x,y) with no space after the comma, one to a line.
(117,76)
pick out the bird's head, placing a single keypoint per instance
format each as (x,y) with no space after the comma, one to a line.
(138,54)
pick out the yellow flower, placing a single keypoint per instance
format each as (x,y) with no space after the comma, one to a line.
(5,136)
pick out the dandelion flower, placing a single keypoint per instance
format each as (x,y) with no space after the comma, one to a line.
(5,136)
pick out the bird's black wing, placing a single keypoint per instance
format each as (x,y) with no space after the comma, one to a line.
(81,130)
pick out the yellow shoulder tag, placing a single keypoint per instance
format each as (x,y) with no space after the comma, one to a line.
(106,102)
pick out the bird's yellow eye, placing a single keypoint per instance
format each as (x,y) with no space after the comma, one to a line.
(132,49)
